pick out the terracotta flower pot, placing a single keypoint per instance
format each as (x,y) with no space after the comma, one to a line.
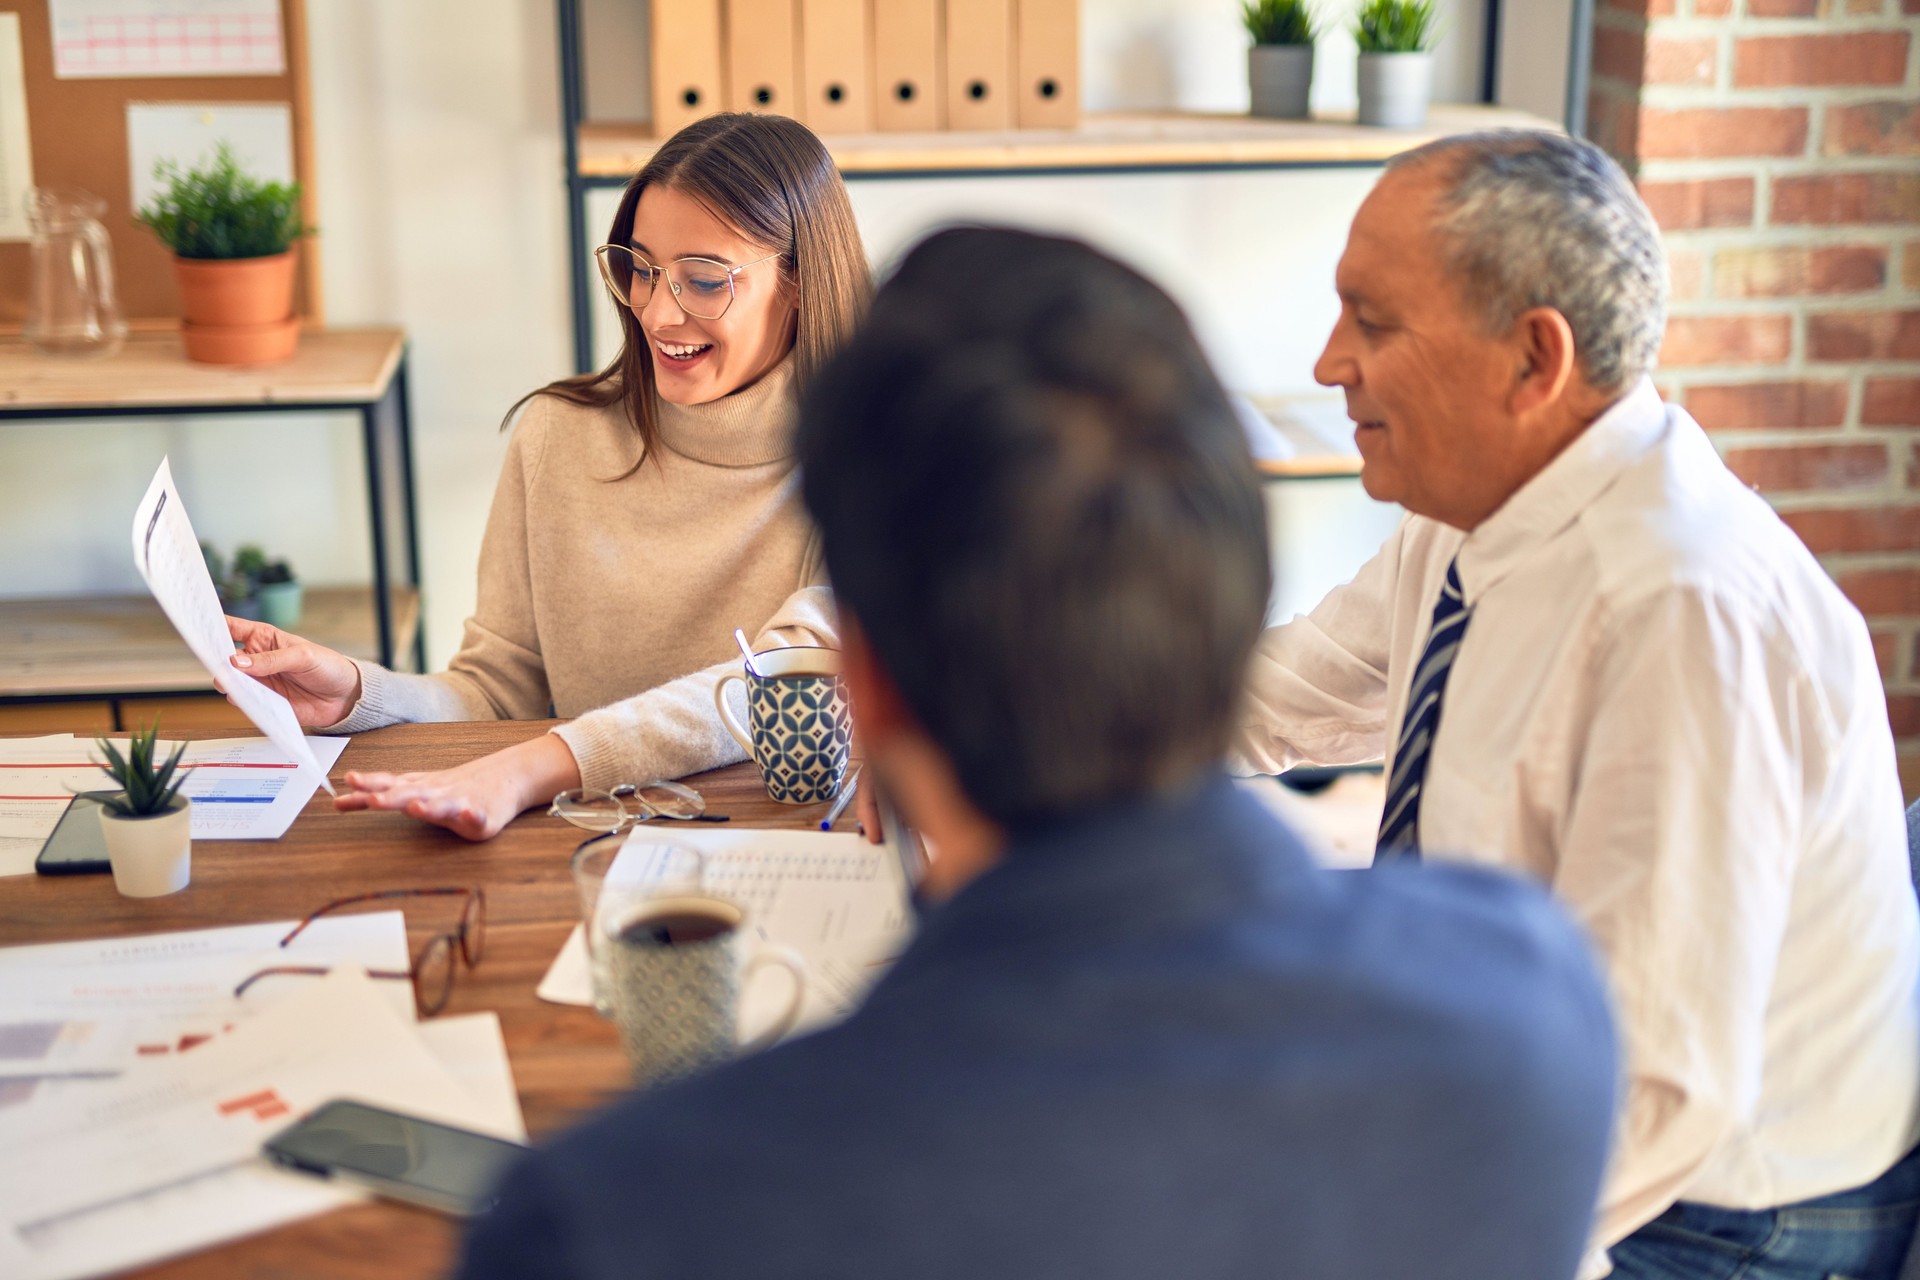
(241,343)
(238,310)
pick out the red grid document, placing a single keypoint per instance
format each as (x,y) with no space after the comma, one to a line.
(133,38)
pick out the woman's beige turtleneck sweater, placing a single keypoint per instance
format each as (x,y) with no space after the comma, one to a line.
(613,602)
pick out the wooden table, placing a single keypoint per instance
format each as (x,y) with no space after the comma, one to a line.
(566,1061)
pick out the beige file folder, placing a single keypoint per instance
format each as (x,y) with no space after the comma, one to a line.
(763,55)
(836,66)
(688,75)
(907,65)
(1046,63)
(979,64)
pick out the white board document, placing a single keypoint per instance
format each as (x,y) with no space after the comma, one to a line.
(167,554)
(174,1145)
(837,900)
(93,39)
(16,153)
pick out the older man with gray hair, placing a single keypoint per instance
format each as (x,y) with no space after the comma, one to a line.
(1590,655)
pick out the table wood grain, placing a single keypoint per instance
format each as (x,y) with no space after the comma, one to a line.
(566,1061)
(151,370)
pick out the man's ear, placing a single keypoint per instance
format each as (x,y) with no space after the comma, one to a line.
(879,712)
(1546,360)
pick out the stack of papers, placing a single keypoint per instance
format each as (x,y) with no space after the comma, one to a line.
(833,897)
(241,788)
(139,1139)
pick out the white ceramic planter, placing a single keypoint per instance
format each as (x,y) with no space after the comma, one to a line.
(1395,89)
(151,857)
(1280,77)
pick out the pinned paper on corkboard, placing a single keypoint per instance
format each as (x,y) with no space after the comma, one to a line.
(124,38)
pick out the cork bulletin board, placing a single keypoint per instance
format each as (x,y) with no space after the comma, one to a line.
(77,132)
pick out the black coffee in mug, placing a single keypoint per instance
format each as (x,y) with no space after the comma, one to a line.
(675,929)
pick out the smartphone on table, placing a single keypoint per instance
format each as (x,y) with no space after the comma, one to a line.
(423,1162)
(77,846)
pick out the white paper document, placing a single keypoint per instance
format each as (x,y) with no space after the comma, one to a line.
(837,900)
(105,1004)
(16,151)
(100,38)
(241,788)
(260,135)
(168,556)
(38,777)
(247,788)
(174,1146)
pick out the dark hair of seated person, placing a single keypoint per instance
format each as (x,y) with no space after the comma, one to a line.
(1036,501)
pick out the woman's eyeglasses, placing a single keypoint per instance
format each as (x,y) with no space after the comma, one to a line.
(703,287)
(432,969)
(628,804)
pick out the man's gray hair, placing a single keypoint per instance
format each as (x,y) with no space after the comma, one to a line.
(1530,219)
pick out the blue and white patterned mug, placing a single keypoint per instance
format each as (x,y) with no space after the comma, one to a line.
(800,727)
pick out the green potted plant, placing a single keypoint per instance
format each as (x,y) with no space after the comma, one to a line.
(232,238)
(255,587)
(239,589)
(279,594)
(1396,61)
(149,825)
(1280,63)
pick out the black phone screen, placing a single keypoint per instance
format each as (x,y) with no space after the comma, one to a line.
(412,1159)
(77,844)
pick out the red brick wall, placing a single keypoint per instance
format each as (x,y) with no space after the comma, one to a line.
(1778,144)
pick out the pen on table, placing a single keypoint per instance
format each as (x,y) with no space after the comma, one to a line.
(840,802)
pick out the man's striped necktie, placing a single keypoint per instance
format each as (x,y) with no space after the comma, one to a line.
(1400,821)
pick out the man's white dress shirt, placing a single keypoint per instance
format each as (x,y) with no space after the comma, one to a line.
(1666,711)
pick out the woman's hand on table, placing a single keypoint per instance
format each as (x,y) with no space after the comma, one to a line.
(320,684)
(476,799)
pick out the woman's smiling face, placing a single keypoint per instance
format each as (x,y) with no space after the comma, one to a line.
(696,360)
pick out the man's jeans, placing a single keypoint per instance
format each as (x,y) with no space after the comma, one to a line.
(1862,1234)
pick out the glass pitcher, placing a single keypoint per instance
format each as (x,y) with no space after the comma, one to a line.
(71,308)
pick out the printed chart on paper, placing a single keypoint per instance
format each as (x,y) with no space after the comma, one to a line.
(108,38)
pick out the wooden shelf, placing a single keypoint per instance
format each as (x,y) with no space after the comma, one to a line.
(332,366)
(100,646)
(1102,141)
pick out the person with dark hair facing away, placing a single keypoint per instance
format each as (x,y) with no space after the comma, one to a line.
(1139,1032)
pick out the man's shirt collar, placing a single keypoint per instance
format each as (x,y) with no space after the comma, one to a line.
(1564,488)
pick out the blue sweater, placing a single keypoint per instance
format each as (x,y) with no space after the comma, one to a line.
(1154,1042)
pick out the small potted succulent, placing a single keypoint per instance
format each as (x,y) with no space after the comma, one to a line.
(1280,64)
(279,594)
(149,824)
(232,238)
(254,587)
(1396,40)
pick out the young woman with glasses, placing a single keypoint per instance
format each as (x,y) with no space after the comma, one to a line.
(643,511)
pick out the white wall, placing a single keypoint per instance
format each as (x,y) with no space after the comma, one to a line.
(441,209)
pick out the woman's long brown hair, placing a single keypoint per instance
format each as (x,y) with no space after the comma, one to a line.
(770,179)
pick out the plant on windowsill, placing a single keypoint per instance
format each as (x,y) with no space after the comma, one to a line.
(232,238)
(148,825)
(1396,39)
(1280,63)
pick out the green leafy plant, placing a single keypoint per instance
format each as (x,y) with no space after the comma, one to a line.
(147,789)
(1395,26)
(1278,21)
(251,569)
(221,211)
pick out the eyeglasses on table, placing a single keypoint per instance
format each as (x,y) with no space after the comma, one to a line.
(432,969)
(630,804)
